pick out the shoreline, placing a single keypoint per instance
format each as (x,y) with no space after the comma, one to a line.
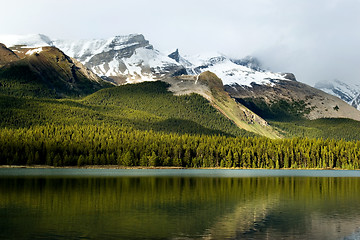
(160,167)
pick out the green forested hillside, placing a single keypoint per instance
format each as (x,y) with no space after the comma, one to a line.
(331,128)
(145,125)
(277,111)
(143,106)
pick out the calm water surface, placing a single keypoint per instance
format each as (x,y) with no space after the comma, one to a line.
(179,204)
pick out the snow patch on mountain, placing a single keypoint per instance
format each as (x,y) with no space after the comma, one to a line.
(33,51)
(152,58)
(81,49)
(85,49)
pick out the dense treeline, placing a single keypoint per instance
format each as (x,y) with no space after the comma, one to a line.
(102,145)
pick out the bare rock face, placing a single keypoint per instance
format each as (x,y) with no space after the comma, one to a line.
(85,71)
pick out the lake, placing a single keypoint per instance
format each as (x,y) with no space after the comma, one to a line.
(179,204)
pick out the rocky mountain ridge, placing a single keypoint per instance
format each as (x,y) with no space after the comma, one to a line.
(45,71)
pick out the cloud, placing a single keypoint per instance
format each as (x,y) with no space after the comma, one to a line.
(317,40)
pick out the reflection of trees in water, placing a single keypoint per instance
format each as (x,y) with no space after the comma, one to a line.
(173,206)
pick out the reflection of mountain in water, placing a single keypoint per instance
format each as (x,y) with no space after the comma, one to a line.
(247,218)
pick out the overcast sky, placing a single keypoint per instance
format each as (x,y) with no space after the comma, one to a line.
(315,39)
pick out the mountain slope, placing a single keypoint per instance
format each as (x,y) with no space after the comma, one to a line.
(6,55)
(47,72)
(273,96)
(121,59)
(350,93)
(287,99)
(209,86)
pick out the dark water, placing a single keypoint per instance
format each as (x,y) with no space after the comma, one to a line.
(179,204)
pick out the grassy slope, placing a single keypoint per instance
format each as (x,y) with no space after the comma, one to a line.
(143,106)
(240,115)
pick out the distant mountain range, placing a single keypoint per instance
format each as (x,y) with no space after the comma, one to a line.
(238,88)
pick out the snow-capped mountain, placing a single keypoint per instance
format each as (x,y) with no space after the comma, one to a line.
(120,59)
(130,59)
(244,72)
(349,93)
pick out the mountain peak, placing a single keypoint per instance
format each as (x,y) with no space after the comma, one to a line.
(129,40)
(175,55)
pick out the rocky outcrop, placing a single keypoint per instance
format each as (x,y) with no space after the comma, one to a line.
(175,55)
